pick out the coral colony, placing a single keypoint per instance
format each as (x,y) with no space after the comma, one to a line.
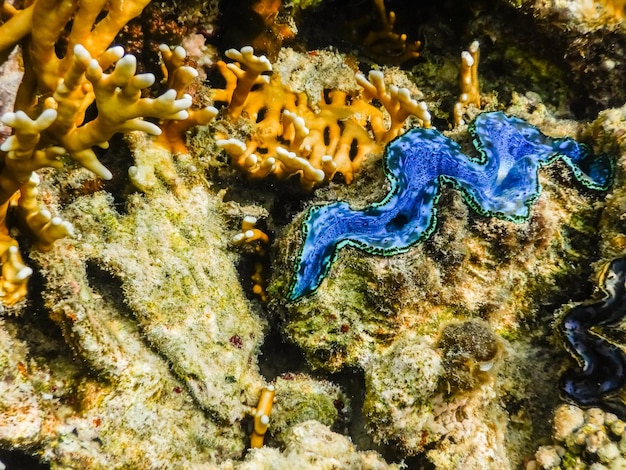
(290,138)
(602,369)
(501,182)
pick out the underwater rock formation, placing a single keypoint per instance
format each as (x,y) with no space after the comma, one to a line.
(591,436)
(311,446)
(470,268)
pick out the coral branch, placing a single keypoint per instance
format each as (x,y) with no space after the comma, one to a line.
(470,87)
(179,77)
(262,416)
(16,28)
(247,77)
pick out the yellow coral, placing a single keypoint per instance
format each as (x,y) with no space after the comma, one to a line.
(179,77)
(386,46)
(288,137)
(262,416)
(51,103)
(470,87)
(252,236)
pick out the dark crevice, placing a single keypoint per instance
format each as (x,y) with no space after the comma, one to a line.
(109,287)
(18,460)
(281,357)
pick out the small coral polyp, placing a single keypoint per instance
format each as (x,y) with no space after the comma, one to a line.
(502,182)
(288,137)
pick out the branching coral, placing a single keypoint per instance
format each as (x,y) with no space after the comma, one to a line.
(179,77)
(289,137)
(258,240)
(51,107)
(387,46)
(470,87)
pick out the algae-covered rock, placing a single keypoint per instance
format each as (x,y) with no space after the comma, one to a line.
(169,255)
(588,36)
(139,416)
(311,446)
(150,301)
(400,384)
(388,316)
(301,398)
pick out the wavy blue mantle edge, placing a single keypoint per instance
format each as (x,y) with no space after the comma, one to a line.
(601,373)
(501,181)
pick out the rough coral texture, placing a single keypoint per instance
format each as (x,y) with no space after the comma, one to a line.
(301,398)
(311,445)
(582,437)
(590,36)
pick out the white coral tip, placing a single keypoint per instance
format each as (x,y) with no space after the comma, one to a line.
(23,274)
(376,75)
(467,58)
(81,52)
(180,52)
(117,51)
(251,160)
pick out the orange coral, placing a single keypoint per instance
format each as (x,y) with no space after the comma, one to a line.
(470,87)
(288,137)
(262,416)
(65,46)
(256,238)
(179,77)
(387,46)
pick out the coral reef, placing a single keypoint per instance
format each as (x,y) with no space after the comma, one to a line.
(311,446)
(499,271)
(51,105)
(156,329)
(301,398)
(590,36)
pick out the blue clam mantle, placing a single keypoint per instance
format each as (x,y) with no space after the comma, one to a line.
(502,181)
(602,372)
